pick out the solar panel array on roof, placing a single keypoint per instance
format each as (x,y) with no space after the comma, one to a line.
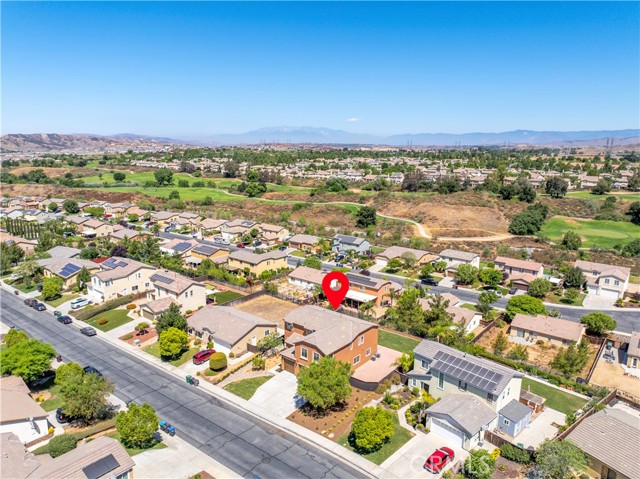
(110,263)
(182,246)
(353,278)
(121,263)
(69,269)
(161,279)
(100,467)
(463,370)
(205,249)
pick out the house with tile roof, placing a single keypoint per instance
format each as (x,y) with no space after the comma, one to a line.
(306,278)
(455,258)
(392,252)
(527,330)
(19,413)
(169,287)
(605,279)
(312,332)
(303,242)
(633,351)
(66,269)
(119,277)
(256,263)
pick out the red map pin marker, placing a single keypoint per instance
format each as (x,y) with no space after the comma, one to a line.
(335,297)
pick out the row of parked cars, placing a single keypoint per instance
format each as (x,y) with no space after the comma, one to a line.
(62,318)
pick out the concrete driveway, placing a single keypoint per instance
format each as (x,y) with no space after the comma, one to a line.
(279,394)
(593,301)
(408,461)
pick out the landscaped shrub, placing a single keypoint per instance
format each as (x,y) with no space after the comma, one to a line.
(61,444)
(103,321)
(210,345)
(131,306)
(231,355)
(127,336)
(383,386)
(258,363)
(218,361)
(515,454)
(87,314)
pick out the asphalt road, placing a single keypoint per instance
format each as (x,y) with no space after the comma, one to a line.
(628,320)
(253,449)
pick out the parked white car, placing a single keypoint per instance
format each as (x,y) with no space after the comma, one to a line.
(80,303)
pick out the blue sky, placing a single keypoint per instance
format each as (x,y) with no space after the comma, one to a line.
(193,69)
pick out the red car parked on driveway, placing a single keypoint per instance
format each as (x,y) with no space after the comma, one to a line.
(436,461)
(203,356)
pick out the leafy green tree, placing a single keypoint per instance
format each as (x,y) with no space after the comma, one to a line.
(490,276)
(325,383)
(485,300)
(560,460)
(218,361)
(51,288)
(172,342)
(409,259)
(95,211)
(119,176)
(466,274)
(28,359)
(634,212)
(571,240)
(602,187)
(515,454)
(183,183)
(572,359)
(519,352)
(163,176)
(58,445)
(269,343)
(137,425)
(574,277)
(336,184)
(84,277)
(10,254)
(366,216)
(526,192)
(85,395)
(371,428)
(598,323)
(27,269)
(631,249)
(405,362)
(539,288)
(90,252)
(71,206)
(408,313)
(479,465)
(313,262)
(171,318)
(426,271)
(556,187)
(15,336)
(52,207)
(141,326)
(174,195)
(500,344)
(525,304)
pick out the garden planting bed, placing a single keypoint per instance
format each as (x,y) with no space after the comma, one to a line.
(145,339)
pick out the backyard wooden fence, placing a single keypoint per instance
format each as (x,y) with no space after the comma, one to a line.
(484,331)
(500,441)
(604,401)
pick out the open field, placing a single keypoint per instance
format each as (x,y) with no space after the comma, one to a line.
(594,233)
(269,308)
(556,399)
(620,195)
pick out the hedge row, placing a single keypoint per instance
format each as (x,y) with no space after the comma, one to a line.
(89,313)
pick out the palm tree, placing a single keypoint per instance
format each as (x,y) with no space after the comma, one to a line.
(392,295)
(365,309)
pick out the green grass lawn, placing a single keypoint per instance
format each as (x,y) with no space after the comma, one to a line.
(134,451)
(556,299)
(399,438)
(116,317)
(56,400)
(556,399)
(246,387)
(225,296)
(594,233)
(62,299)
(397,342)
(154,350)
(469,306)
(298,253)
(619,196)
(22,288)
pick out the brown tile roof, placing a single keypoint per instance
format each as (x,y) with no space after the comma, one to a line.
(178,284)
(226,324)
(525,278)
(548,326)
(310,275)
(304,239)
(397,251)
(634,344)
(254,258)
(15,402)
(15,461)
(457,254)
(518,263)
(122,271)
(588,267)
(159,305)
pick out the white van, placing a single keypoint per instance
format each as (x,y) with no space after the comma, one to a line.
(220,240)
(80,303)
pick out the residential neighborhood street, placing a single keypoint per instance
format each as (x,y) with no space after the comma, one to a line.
(227,434)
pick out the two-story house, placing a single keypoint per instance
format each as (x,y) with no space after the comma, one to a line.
(66,269)
(164,218)
(204,251)
(343,243)
(209,226)
(472,392)
(520,273)
(308,243)
(312,332)
(93,228)
(455,258)
(392,252)
(272,234)
(364,289)
(179,247)
(168,287)
(119,277)
(605,279)
(256,263)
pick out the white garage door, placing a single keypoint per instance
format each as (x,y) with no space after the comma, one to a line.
(381,262)
(447,432)
(609,293)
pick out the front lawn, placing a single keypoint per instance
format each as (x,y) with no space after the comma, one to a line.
(594,233)
(557,299)
(298,253)
(55,401)
(225,296)
(246,387)
(134,451)
(61,300)
(556,399)
(24,289)
(187,355)
(399,438)
(397,342)
(115,317)
(469,306)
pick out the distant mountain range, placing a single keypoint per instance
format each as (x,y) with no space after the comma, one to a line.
(297,135)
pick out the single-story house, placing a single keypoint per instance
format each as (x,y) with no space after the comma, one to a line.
(308,243)
(633,353)
(19,413)
(556,331)
(63,252)
(471,318)
(342,243)
(393,252)
(306,278)
(231,330)
(66,269)
(455,258)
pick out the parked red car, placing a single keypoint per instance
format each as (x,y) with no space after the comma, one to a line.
(436,461)
(240,245)
(203,356)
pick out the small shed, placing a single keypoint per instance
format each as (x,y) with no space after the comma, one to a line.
(513,418)
(532,401)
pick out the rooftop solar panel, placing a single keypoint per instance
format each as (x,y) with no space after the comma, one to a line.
(161,279)
(464,370)
(182,246)
(100,467)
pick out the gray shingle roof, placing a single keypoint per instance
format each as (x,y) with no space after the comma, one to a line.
(515,411)
(428,349)
(466,410)
(611,436)
(226,324)
(457,254)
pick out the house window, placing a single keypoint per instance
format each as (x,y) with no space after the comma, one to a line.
(425,364)
(367,352)
(316,356)
(134,288)
(506,422)
(616,282)
(606,281)
(489,397)
(356,360)
(440,380)
(304,354)
(288,326)
(266,332)
(137,275)
(462,385)
(146,285)
(360,340)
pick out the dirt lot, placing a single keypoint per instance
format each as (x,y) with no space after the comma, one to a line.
(540,355)
(612,375)
(337,421)
(268,307)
